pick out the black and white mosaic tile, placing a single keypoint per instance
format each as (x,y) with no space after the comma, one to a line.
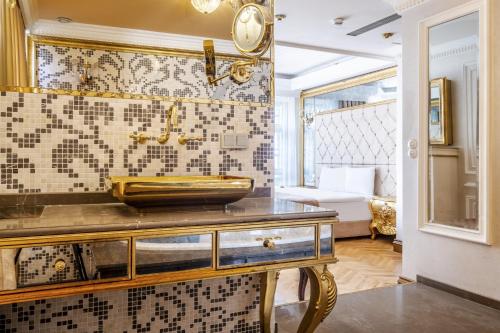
(137,73)
(60,143)
(188,307)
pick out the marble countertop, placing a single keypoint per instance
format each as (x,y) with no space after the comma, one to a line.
(65,219)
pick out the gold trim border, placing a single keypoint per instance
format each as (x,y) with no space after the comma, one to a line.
(34,90)
(351,82)
(35,40)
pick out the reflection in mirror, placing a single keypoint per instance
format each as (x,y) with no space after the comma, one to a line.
(156,53)
(453,122)
(241,248)
(79,262)
(173,253)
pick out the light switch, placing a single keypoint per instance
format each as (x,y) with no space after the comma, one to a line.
(228,140)
(234,141)
(412,144)
(242,140)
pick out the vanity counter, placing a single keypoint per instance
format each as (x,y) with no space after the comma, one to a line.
(67,250)
(66,219)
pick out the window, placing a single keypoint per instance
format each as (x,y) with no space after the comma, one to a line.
(285,142)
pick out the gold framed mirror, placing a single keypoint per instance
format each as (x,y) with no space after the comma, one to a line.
(454,123)
(156,55)
(440,112)
(252,30)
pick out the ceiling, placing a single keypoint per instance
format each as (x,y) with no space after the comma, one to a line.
(169,16)
(292,61)
(311,24)
(310,48)
(312,51)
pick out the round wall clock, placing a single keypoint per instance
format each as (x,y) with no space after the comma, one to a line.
(252,30)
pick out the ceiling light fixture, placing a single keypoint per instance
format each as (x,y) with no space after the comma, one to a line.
(388,35)
(338,21)
(206,6)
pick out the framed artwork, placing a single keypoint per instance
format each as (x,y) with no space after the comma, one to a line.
(440,121)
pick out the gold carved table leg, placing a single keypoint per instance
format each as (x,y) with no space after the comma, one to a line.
(268,282)
(373,228)
(323,298)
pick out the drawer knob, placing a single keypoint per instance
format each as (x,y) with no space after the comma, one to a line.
(268,244)
(59,265)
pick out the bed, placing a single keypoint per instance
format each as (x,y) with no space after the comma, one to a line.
(346,190)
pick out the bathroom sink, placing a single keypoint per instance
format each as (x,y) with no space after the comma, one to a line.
(179,190)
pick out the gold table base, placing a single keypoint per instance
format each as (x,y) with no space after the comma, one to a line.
(322,301)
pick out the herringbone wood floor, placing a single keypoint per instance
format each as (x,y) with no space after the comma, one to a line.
(363,264)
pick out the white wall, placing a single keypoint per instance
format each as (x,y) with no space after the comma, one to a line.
(462,264)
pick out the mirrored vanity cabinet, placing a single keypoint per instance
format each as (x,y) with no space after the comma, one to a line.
(454,123)
(113,246)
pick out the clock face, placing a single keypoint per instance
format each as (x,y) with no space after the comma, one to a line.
(249,29)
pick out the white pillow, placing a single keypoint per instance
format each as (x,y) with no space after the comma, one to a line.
(360,180)
(332,179)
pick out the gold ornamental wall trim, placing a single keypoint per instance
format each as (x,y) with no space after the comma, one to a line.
(35,40)
(35,90)
(352,82)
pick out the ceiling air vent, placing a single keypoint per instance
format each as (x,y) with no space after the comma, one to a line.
(375,25)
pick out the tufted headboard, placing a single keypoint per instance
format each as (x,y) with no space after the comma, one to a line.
(357,137)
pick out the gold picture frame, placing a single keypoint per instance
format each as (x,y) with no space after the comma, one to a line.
(440,118)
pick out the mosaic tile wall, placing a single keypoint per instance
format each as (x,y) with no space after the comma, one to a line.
(198,307)
(125,72)
(59,143)
(360,137)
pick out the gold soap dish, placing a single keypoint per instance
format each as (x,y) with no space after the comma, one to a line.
(179,190)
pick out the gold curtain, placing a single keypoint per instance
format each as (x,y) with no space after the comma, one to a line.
(13,66)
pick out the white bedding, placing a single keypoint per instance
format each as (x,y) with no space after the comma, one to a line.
(304,194)
(352,207)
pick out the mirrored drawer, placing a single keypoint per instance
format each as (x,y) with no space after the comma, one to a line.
(53,264)
(250,247)
(172,253)
(327,242)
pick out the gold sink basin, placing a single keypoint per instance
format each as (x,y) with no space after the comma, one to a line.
(179,190)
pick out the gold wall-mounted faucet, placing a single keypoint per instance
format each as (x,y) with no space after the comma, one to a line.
(183,138)
(139,138)
(172,121)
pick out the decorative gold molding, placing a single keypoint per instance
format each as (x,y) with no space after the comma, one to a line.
(32,90)
(349,83)
(34,41)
